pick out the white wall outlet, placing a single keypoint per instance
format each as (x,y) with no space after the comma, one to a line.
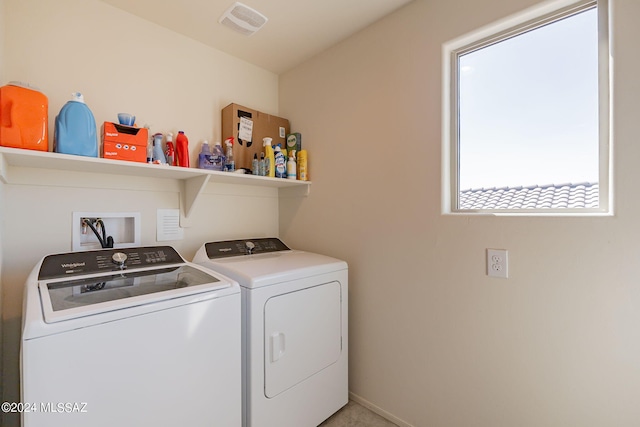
(498,263)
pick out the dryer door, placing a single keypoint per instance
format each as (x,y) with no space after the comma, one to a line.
(302,335)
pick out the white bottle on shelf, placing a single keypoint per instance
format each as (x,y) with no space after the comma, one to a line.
(291,165)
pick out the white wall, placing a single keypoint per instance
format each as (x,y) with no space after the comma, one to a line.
(120,63)
(433,340)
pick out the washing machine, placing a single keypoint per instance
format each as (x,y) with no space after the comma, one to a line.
(130,337)
(294,329)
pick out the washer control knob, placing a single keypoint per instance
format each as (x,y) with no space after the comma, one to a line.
(250,247)
(119,259)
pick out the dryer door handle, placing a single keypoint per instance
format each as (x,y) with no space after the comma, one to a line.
(277,346)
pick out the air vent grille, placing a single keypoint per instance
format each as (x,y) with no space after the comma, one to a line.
(243,19)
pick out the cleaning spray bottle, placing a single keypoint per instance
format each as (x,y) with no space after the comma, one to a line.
(281,168)
(269,159)
(170,152)
(158,154)
(182,149)
(230,163)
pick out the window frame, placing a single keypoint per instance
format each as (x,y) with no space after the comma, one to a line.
(520,23)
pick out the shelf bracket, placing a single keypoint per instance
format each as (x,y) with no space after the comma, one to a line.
(294,192)
(4,166)
(191,189)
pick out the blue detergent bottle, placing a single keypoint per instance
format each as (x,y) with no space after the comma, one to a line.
(75,129)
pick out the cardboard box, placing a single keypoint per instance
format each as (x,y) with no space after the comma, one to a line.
(255,126)
(124,142)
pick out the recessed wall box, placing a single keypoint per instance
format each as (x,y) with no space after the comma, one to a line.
(124,227)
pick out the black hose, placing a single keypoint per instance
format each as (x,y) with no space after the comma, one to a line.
(105,242)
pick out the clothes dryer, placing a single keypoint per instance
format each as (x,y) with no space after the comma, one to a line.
(130,337)
(294,329)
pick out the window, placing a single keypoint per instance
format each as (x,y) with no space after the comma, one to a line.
(526,110)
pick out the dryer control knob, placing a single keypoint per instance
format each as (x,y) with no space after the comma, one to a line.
(119,259)
(250,247)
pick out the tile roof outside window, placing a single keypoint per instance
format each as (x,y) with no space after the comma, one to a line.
(583,195)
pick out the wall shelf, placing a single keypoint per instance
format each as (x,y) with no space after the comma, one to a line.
(192,180)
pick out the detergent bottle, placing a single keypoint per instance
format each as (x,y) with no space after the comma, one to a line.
(205,158)
(269,159)
(217,157)
(182,149)
(23,117)
(75,129)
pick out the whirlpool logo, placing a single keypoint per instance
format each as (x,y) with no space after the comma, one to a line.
(73,265)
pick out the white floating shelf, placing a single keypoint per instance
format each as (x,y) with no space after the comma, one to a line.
(194,179)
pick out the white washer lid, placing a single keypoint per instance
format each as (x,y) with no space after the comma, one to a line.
(94,294)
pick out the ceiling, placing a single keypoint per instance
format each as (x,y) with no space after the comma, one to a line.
(296,30)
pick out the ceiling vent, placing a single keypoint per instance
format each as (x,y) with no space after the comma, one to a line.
(243,19)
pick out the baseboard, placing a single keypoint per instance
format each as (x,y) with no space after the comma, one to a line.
(373,408)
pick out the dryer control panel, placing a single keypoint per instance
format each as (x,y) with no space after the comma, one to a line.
(231,248)
(76,263)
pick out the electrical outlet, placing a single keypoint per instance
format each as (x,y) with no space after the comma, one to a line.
(498,263)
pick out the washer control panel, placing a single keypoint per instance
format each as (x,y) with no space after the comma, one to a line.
(76,263)
(231,248)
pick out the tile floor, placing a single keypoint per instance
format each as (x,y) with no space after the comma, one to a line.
(356,415)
